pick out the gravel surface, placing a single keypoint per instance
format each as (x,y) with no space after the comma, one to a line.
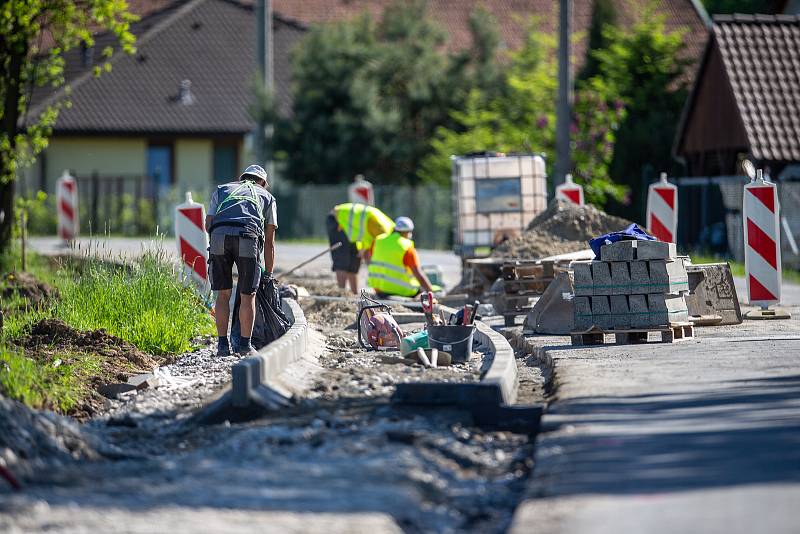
(344,456)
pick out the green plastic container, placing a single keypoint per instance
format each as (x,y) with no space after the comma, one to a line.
(414,341)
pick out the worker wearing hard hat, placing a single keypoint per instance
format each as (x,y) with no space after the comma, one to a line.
(394,268)
(356,226)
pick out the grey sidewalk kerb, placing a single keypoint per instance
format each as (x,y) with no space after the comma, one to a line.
(250,393)
(491,400)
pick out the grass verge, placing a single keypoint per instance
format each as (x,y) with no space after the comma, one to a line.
(145,304)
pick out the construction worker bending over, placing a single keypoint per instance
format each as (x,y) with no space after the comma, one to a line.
(356,226)
(241,221)
(394,268)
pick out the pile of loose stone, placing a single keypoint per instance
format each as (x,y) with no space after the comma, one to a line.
(634,284)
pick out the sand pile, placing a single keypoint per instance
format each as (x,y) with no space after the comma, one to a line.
(563,227)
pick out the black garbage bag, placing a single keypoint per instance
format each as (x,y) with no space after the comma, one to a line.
(270,322)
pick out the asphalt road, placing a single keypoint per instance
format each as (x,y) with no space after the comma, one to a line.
(698,436)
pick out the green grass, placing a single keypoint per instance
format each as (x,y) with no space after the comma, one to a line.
(48,383)
(737,268)
(145,304)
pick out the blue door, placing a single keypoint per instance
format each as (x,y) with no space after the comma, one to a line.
(159,166)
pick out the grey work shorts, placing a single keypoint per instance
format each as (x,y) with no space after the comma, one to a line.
(227,250)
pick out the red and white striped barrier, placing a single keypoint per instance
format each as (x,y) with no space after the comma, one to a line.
(361,192)
(762,252)
(662,210)
(192,239)
(67,207)
(570,191)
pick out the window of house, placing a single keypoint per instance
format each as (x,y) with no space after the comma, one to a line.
(225,163)
(159,165)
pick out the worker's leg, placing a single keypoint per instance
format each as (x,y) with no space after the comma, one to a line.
(247,314)
(222,283)
(222,310)
(352,280)
(249,277)
(341,279)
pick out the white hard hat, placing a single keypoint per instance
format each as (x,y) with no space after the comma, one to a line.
(404,224)
(256,171)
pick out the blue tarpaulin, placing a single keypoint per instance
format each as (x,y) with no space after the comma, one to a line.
(630,233)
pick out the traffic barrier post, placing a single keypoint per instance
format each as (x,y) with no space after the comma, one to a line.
(361,191)
(570,191)
(192,241)
(762,251)
(67,202)
(662,210)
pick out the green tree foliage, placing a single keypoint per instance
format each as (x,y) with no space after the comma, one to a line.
(34,35)
(644,66)
(522,118)
(369,95)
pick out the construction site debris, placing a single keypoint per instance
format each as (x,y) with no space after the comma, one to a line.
(552,313)
(564,227)
(712,295)
(34,439)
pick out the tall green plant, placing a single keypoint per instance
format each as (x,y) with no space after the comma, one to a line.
(522,118)
(34,35)
(369,95)
(645,67)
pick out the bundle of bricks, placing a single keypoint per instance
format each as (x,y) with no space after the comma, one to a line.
(634,284)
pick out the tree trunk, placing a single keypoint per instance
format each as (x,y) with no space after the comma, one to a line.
(12,57)
(7,189)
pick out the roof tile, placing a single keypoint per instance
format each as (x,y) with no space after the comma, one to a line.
(762,57)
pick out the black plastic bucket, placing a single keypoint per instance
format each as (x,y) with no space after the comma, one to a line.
(455,339)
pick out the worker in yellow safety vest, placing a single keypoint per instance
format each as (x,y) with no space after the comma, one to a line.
(394,267)
(356,226)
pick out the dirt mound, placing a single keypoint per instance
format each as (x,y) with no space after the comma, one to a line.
(563,227)
(60,336)
(28,287)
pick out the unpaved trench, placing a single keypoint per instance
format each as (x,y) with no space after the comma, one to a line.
(344,449)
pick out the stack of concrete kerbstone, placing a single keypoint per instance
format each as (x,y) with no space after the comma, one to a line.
(634,284)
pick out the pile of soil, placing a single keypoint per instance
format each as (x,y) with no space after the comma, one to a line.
(563,227)
(54,335)
(27,286)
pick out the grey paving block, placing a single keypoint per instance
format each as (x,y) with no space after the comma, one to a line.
(667,276)
(655,250)
(582,311)
(619,251)
(601,278)
(620,278)
(582,278)
(620,313)
(601,312)
(639,313)
(657,309)
(677,308)
(640,277)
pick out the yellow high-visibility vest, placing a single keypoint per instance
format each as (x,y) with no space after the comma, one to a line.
(386,272)
(354,217)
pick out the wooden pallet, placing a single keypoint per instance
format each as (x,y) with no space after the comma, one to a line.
(668,334)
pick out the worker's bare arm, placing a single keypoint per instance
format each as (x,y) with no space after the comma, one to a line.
(269,247)
(209,218)
(422,278)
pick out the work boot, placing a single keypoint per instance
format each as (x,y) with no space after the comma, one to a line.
(248,350)
(223,348)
